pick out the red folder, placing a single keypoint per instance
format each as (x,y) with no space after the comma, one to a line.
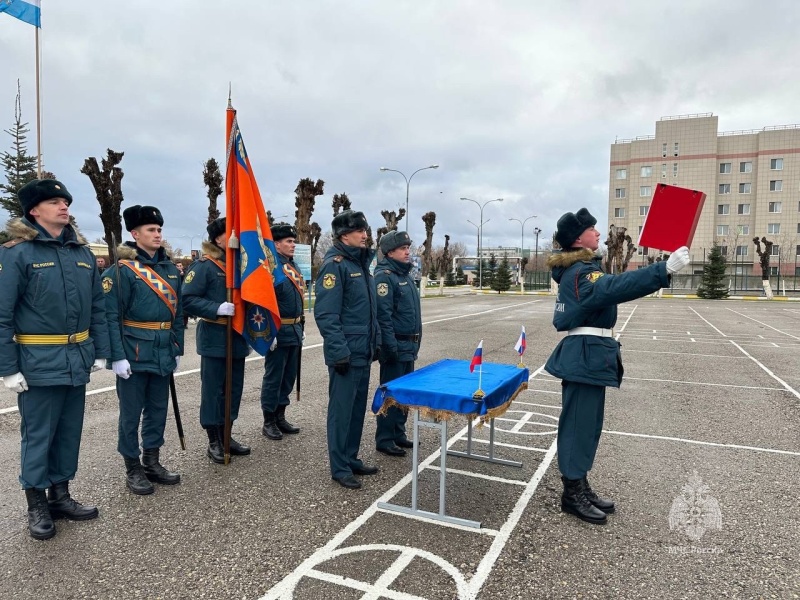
(672,219)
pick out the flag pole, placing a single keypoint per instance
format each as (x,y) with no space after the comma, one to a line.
(230,264)
(38,114)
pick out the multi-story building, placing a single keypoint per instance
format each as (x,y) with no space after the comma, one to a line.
(751,179)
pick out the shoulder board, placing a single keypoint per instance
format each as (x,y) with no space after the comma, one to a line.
(338,258)
(387,271)
(14,242)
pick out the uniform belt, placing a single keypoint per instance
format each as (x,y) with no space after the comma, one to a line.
(148,324)
(217,321)
(292,321)
(35,338)
(404,337)
(598,331)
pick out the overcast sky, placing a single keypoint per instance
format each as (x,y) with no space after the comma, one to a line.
(518,100)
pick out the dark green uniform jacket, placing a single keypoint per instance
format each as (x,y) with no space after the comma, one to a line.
(290,305)
(345,309)
(398,309)
(203,292)
(148,350)
(588,297)
(50,287)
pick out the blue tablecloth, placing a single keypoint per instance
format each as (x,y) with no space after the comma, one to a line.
(446,387)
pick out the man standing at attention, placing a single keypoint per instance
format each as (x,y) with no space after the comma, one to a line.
(588,359)
(345,312)
(400,320)
(53,333)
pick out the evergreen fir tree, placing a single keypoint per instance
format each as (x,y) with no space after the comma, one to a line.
(714,285)
(489,270)
(450,279)
(501,280)
(18,166)
(460,279)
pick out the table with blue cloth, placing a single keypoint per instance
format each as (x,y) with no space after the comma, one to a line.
(440,391)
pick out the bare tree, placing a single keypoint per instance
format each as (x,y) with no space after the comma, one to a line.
(764,256)
(305,195)
(429,219)
(392,219)
(108,189)
(620,250)
(340,203)
(212,178)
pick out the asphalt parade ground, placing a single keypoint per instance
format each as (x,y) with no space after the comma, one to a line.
(700,451)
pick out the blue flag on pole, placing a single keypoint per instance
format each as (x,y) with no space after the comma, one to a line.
(29,11)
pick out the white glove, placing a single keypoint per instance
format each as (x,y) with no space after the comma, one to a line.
(226,309)
(274,344)
(177,363)
(304,337)
(99,364)
(121,368)
(16,383)
(678,260)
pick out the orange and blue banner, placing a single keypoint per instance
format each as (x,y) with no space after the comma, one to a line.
(252,269)
(477,358)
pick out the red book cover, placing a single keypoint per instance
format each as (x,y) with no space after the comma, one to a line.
(672,219)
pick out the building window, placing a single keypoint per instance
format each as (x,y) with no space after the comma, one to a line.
(724,167)
(798,228)
(676,149)
(619,193)
(741,250)
(642,250)
(774,207)
(646,171)
(723,250)
(674,169)
(743,209)
(746,167)
(643,210)
(773,271)
(776,185)
(797,251)
(619,213)
(776,164)
(640,229)
(723,209)
(664,149)
(775,250)
(744,188)
(773,228)
(722,230)
(743,229)
(664,169)
(724,188)
(622,173)
(645,191)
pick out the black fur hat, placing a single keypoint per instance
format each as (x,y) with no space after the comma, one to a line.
(393,240)
(136,216)
(281,231)
(572,225)
(39,190)
(347,221)
(215,229)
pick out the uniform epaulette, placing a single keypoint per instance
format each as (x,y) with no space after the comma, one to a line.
(387,271)
(14,242)
(338,258)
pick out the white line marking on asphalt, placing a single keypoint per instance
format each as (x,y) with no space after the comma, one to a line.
(678,353)
(506,445)
(788,388)
(483,312)
(520,423)
(482,530)
(706,321)
(727,385)
(763,324)
(481,476)
(701,443)
(556,406)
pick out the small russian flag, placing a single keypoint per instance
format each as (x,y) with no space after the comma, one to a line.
(477,358)
(521,344)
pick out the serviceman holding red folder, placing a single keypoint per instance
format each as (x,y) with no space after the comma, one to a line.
(588,359)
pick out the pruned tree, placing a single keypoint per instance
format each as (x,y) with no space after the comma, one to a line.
(305,197)
(620,250)
(764,256)
(429,218)
(107,185)
(316,234)
(392,219)
(444,261)
(19,167)
(212,178)
(340,203)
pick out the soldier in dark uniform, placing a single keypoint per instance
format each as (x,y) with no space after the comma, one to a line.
(400,320)
(53,333)
(280,364)
(204,294)
(345,312)
(145,324)
(588,359)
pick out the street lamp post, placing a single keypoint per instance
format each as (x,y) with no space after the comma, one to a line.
(480,237)
(408,184)
(537,231)
(478,240)
(522,251)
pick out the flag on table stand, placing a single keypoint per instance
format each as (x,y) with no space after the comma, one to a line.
(477,358)
(252,268)
(29,11)
(520,347)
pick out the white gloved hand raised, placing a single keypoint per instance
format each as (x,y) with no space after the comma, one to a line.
(274,344)
(226,309)
(678,260)
(16,383)
(99,364)
(177,363)
(121,368)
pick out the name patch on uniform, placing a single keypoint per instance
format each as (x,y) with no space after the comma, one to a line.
(355,274)
(189,277)
(383,289)
(403,283)
(172,276)
(43,265)
(107,283)
(84,265)
(592,277)
(328,281)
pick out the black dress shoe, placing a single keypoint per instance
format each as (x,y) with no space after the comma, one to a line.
(365,470)
(238,449)
(392,450)
(348,481)
(404,443)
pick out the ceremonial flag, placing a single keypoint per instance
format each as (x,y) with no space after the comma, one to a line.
(521,344)
(29,11)
(477,358)
(252,268)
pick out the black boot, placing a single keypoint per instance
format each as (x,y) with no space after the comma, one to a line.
(155,471)
(237,449)
(135,478)
(604,504)
(62,505)
(40,523)
(270,428)
(215,451)
(574,501)
(282,423)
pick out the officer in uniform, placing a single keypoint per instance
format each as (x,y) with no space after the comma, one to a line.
(588,359)
(346,313)
(204,294)
(280,365)
(53,333)
(400,320)
(145,324)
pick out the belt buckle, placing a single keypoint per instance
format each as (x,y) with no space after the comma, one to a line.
(416,337)
(72,338)
(162,325)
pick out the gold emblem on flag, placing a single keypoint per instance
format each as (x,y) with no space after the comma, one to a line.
(328,281)
(383,289)
(108,283)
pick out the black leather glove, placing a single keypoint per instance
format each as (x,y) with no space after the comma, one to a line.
(389,355)
(342,366)
(377,354)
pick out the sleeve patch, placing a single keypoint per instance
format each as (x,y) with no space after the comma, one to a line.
(383,289)
(594,276)
(329,281)
(108,283)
